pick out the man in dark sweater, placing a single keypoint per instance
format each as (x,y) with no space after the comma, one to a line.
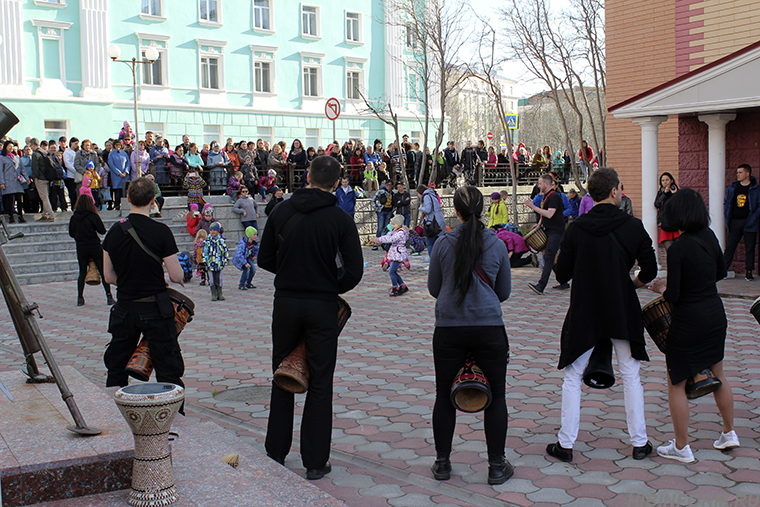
(553,223)
(312,246)
(741,208)
(598,251)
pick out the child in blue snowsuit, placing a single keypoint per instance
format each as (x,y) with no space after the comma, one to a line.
(245,258)
(187,266)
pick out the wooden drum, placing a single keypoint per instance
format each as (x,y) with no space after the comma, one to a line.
(755,310)
(149,410)
(293,373)
(140,365)
(470,391)
(92,277)
(536,239)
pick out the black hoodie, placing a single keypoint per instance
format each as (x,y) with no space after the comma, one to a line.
(85,226)
(603,300)
(306,266)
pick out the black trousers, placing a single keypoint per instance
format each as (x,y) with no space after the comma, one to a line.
(735,233)
(9,199)
(57,197)
(316,322)
(127,322)
(84,254)
(489,346)
(116,193)
(552,247)
(517,260)
(71,187)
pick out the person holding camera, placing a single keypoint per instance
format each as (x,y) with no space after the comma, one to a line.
(668,187)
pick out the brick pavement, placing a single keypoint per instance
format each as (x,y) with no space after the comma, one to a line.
(382,437)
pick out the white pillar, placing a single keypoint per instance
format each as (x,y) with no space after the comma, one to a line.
(717,170)
(394,54)
(12,76)
(650,173)
(96,75)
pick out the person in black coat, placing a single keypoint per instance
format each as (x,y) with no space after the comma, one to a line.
(597,252)
(84,227)
(401,202)
(697,334)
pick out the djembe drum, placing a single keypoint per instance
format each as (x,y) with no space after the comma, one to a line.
(92,277)
(598,373)
(536,239)
(140,365)
(293,373)
(470,391)
(150,410)
(755,310)
(657,315)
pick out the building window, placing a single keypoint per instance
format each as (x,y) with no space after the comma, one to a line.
(355,134)
(151,8)
(210,72)
(353,85)
(353,27)
(262,15)
(210,11)
(311,81)
(310,21)
(413,92)
(411,40)
(262,77)
(211,64)
(153,73)
(311,138)
(51,61)
(266,134)
(415,137)
(212,133)
(56,128)
(51,3)
(158,129)
(156,74)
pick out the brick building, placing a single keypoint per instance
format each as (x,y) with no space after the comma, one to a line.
(682,85)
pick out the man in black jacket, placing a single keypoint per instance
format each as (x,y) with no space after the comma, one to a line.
(597,252)
(402,202)
(312,246)
(41,183)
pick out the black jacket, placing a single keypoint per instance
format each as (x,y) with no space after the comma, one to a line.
(603,300)
(306,264)
(85,226)
(274,201)
(402,203)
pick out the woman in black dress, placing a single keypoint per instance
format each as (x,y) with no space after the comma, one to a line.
(697,335)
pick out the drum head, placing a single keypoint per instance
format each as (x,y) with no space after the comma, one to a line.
(157,388)
(471,396)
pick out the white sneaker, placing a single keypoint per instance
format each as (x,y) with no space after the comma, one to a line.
(727,441)
(669,451)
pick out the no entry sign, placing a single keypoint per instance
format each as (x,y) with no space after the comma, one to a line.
(489,135)
(332,109)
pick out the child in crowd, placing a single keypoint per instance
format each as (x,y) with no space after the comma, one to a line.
(370,178)
(247,207)
(234,184)
(497,213)
(186,265)
(159,204)
(268,184)
(245,258)
(194,185)
(215,256)
(192,219)
(416,241)
(85,188)
(207,219)
(105,190)
(200,238)
(94,183)
(396,254)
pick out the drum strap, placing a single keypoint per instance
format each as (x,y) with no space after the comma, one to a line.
(127,227)
(482,274)
(617,243)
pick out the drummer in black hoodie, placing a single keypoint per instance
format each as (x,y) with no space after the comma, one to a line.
(312,246)
(597,252)
(84,227)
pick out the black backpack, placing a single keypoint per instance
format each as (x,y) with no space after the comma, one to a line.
(53,170)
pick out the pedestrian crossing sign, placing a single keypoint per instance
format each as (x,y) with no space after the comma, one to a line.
(511,120)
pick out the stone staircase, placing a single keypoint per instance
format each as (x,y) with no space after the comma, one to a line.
(46,253)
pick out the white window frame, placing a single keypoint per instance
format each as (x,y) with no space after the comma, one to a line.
(56,4)
(311,61)
(415,136)
(51,30)
(207,22)
(270,9)
(410,41)
(359,28)
(56,133)
(412,75)
(151,16)
(356,134)
(161,44)
(354,64)
(266,134)
(264,54)
(307,138)
(217,132)
(317,23)
(158,129)
(211,49)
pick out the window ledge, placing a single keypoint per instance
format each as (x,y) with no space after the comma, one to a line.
(154,87)
(265,94)
(265,31)
(311,37)
(212,24)
(151,17)
(55,5)
(355,42)
(211,90)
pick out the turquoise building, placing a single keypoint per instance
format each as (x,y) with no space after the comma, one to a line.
(245,69)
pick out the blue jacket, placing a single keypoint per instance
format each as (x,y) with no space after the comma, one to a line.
(575,204)
(244,253)
(346,199)
(568,207)
(374,158)
(119,162)
(754,204)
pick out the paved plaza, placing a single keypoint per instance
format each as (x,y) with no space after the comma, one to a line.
(384,392)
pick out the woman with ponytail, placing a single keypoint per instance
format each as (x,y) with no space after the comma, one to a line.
(470,277)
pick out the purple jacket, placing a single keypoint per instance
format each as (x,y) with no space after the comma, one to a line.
(586,204)
(397,239)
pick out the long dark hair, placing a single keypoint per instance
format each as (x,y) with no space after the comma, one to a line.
(672,179)
(84,203)
(5,147)
(468,201)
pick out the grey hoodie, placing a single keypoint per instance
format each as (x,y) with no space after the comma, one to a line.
(482,304)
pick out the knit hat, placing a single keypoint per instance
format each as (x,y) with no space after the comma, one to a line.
(272,173)
(250,231)
(496,196)
(208,208)
(216,226)
(193,207)
(90,165)
(398,220)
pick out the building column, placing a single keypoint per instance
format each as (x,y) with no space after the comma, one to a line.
(650,172)
(394,53)
(12,78)
(717,170)
(96,67)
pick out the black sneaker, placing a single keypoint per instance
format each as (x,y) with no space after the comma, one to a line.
(562,286)
(80,301)
(749,277)
(441,469)
(642,452)
(394,292)
(313,474)
(534,288)
(403,290)
(560,452)
(499,471)
(110,301)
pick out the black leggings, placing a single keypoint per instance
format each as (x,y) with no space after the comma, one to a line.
(490,348)
(84,254)
(8,200)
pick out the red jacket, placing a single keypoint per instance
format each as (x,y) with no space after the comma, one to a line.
(192,223)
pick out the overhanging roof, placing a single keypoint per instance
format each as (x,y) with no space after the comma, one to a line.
(728,84)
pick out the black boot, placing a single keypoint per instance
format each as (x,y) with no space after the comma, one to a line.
(499,470)
(441,468)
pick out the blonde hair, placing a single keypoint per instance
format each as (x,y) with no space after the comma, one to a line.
(237,174)
(201,234)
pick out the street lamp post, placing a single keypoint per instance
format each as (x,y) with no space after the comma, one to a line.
(151,55)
